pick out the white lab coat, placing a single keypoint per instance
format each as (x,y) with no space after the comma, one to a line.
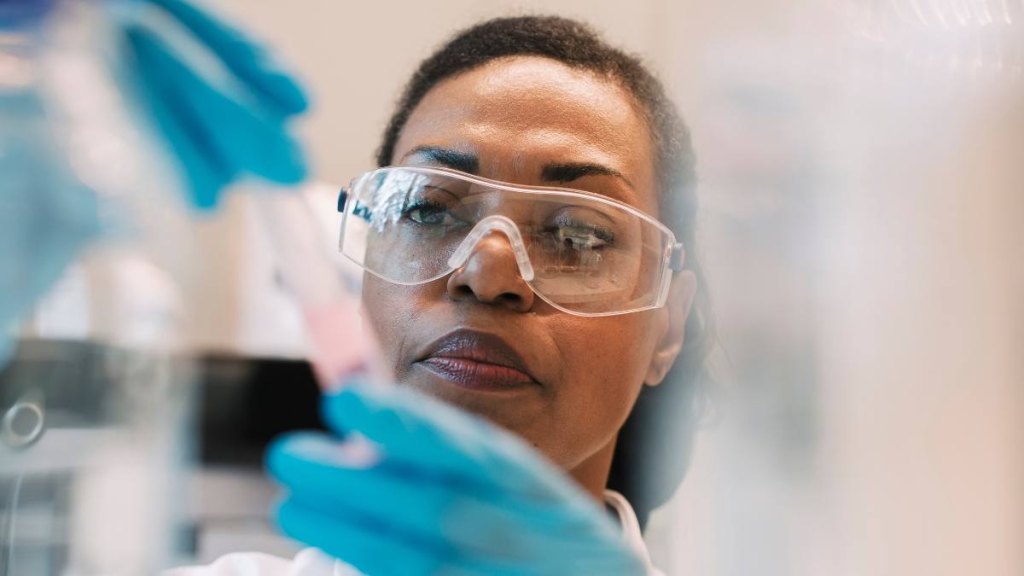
(312,562)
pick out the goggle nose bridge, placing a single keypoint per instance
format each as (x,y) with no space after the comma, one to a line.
(494,223)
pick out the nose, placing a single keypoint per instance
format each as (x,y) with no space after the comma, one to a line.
(490,270)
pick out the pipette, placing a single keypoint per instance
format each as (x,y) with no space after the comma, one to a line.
(343,347)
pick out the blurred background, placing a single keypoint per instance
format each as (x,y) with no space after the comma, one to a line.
(861,189)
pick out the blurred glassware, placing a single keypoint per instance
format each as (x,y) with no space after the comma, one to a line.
(95,251)
(47,213)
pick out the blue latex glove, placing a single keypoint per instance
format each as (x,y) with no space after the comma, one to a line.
(223,119)
(442,492)
(47,215)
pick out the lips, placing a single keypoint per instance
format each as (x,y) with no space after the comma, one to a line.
(477,360)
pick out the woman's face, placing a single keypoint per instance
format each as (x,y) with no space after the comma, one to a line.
(480,338)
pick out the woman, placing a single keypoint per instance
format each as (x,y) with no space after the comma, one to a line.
(530,259)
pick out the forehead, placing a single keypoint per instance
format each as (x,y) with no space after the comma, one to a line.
(517,115)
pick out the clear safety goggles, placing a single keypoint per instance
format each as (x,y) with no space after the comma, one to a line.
(583,253)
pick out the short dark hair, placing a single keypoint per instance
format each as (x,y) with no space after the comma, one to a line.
(648,463)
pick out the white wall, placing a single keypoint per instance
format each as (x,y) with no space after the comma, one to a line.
(356,56)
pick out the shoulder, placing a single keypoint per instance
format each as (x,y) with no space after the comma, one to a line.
(309,562)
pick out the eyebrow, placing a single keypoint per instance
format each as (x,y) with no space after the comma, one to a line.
(462,161)
(572,171)
(558,173)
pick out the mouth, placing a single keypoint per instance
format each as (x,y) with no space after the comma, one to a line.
(477,361)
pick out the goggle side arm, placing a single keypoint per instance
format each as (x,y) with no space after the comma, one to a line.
(677,257)
(360,210)
(342,199)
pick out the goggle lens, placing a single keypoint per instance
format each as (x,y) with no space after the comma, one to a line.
(588,255)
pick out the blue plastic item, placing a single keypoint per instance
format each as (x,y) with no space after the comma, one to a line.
(16,13)
(437,491)
(218,99)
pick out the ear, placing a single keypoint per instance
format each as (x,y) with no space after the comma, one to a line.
(678,305)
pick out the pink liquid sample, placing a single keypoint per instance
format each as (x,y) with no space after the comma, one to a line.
(341,349)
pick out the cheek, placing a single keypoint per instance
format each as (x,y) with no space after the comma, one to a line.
(617,349)
(390,310)
(605,368)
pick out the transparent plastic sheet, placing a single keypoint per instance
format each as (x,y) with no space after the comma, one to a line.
(860,198)
(860,190)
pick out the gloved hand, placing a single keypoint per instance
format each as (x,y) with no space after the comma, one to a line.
(47,215)
(419,487)
(224,116)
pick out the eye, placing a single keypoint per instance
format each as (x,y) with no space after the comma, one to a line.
(429,213)
(583,236)
(580,228)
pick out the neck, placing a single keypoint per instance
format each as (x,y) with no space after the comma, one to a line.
(592,473)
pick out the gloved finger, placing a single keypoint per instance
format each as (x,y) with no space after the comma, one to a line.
(370,548)
(206,172)
(500,532)
(571,537)
(242,137)
(242,56)
(378,550)
(424,432)
(361,540)
(497,524)
(320,469)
